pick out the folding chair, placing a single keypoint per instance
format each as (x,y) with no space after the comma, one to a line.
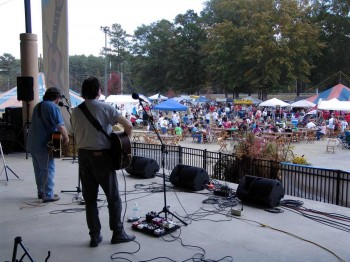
(222,143)
(331,144)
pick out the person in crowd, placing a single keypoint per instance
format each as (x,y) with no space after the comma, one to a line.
(178,130)
(185,119)
(343,125)
(311,124)
(133,119)
(321,131)
(96,163)
(46,119)
(207,118)
(196,133)
(264,114)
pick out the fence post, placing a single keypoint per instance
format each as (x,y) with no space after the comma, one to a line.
(337,200)
(205,159)
(180,155)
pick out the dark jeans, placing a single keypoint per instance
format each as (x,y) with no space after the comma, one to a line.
(95,168)
(319,135)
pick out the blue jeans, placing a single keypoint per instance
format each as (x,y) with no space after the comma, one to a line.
(44,169)
(95,169)
(199,137)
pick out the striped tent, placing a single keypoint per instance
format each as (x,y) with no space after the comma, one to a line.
(340,92)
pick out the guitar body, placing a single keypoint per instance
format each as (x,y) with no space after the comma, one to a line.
(55,145)
(120,150)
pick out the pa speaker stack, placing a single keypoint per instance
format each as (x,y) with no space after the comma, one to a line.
(143,167)
(189,177)
(260,191)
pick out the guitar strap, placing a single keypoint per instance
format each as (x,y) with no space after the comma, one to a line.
(92,120)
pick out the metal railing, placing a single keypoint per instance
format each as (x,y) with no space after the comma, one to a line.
(319,184)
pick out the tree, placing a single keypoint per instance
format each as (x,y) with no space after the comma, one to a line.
(9,70)
(186,68)
(334,21)
(260,45)
(114,84)
(151,56)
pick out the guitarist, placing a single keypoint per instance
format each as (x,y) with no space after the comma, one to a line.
(96,163)
(46,119)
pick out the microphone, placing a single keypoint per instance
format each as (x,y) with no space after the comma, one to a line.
(136,96)
(63,105)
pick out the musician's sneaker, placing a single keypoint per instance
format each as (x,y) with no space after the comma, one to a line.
(120,236)
(40,196)
(94,241)
(55,198)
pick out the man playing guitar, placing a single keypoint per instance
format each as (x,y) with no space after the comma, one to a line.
(96,163)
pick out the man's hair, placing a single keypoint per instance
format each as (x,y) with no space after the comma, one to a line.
(52,94)
(90,88)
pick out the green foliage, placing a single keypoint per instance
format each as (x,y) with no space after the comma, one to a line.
(9,70)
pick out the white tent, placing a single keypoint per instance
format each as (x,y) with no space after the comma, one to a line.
(273,102)
(124,99)
(334,104)
(157,97)
(302,103)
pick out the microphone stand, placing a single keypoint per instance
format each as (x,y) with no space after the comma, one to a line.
(74,159)
(165,209)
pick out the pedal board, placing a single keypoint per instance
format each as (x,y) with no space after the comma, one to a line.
(154,225)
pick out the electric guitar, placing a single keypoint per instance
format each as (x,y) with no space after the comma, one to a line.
(120,150)
(55,144)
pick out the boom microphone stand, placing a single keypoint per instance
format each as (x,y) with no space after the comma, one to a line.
(74,160)
(165,209)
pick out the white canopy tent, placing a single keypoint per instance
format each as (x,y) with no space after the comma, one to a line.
(124,99)
(273,102)
(302,103)
(158,97)
(334,104)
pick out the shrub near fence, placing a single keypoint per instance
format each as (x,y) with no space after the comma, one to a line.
(320,184)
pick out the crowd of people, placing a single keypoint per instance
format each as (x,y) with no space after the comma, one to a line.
(200,118)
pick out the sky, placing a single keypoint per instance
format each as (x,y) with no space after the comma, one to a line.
(85,18)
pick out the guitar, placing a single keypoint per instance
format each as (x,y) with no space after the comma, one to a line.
(120,150)
(55,144)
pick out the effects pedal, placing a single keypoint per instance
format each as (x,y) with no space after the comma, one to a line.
(223,191)
(155,225)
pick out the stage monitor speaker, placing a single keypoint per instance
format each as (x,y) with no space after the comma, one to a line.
(189,177)
(25,88)
(13,115)
(260,191)
(143,167)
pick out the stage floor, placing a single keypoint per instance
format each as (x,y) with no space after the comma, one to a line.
(211,233)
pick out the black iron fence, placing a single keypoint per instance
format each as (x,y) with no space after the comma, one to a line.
(319,184)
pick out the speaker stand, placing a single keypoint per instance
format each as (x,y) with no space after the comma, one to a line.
(165,209)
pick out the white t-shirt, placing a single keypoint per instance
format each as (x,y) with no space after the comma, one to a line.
(310,125)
